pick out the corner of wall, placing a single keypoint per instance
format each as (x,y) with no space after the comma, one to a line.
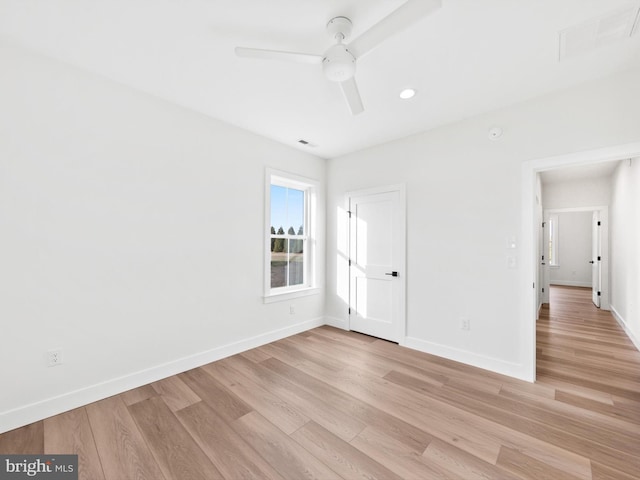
(621,321)
(485,362)
(336,322)
(34,412)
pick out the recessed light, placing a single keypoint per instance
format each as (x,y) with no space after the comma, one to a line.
(407,93)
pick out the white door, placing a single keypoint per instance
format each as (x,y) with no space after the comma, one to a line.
(596,259)
(377,255)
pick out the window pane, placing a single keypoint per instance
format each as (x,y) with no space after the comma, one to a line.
(287,210)
(278,209)
(291,263)
(278,269)
(296,262)
(295,202)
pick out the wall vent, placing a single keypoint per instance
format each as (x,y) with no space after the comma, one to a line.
(595,33)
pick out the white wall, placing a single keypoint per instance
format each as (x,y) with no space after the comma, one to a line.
(464,201)
(592,192)
(625,246)
(131,237)
(574,252)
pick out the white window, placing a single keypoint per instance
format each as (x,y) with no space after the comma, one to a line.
(554,228)
(289,238)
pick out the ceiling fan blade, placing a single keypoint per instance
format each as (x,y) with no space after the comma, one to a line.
(352,96)
(398,20)
(278,55)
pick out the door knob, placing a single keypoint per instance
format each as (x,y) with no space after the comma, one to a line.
(393,274)
(591,261)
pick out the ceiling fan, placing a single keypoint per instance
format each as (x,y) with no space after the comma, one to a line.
(339,61)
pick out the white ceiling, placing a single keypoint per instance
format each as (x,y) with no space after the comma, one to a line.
(469,57)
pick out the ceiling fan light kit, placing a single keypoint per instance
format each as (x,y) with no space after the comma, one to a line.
(339,61)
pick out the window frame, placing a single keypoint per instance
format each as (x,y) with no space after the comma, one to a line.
(309,187)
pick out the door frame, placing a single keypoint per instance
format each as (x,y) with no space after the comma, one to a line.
(401,189)
(597,256)
(543,259)
(603,212)
(529,235)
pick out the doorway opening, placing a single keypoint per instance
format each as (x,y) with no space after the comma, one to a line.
(531,238)
(575,251)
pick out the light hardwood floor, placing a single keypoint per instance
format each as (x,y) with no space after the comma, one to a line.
(332,404)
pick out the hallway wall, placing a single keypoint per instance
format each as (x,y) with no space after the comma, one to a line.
(625,247)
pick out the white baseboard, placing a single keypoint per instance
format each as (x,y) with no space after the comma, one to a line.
(496,365)
(570,283)
(336,322)
(34,412)
(623,324)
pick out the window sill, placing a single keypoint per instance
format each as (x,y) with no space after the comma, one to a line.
(281,297)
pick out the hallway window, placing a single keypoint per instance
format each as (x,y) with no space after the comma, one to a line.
(553,240)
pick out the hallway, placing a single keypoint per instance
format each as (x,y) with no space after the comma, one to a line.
(586,357)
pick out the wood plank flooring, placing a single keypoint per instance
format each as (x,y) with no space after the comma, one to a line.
(329,404)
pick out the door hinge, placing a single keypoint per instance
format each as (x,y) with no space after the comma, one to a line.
(534,284)
(599,223)
(543,224)
(349,262)
(598,293)
(542,257)
(599,259)
(349,212)
(349,310)
(542,289)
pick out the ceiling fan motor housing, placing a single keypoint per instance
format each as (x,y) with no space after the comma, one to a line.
(338,64)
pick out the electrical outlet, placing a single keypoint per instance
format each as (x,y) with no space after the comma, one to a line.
(54,357)
(465,324)
(292,309)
